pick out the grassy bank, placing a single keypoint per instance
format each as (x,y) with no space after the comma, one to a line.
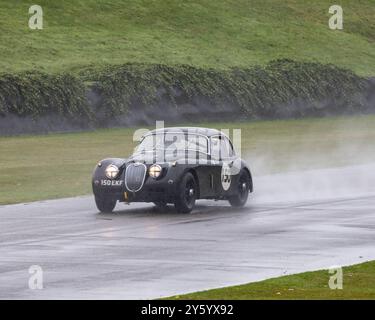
(205,33)
(108,63)
(60,165)
(358,283)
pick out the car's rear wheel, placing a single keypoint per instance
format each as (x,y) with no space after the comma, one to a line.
(105,204)
(186,194)
(242,188)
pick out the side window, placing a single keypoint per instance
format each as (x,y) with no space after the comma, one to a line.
(220,148)
(229,147)
(198,143)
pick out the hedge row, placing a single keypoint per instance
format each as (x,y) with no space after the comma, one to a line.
(284,88)
(36,94)
(265,92)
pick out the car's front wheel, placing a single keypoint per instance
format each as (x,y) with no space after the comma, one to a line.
(105,204)
(186,194)
(242,190)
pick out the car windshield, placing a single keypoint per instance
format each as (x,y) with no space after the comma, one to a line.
(172,142)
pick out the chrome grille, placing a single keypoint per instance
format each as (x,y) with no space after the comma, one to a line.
(135,175)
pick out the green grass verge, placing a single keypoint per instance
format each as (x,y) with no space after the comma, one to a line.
(358,283)
(60,165)
(204,33)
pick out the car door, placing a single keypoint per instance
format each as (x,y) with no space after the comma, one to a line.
(197,147)
(222,156)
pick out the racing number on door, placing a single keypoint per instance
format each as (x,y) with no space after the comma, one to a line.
(226,177)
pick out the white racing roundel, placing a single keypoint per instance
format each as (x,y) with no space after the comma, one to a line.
(226,176)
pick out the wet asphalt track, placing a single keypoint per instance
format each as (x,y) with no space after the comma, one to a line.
(138,252)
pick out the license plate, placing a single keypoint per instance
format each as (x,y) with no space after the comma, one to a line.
(111,183)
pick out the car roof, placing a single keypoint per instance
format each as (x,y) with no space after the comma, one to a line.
(191,130)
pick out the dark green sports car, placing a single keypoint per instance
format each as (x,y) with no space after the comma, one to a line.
(174,165)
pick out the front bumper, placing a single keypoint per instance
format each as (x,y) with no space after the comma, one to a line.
(153,190)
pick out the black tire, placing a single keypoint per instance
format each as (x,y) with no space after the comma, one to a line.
(105,204)
(243,188)
(186,194)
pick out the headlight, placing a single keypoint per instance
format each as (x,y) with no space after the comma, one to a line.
(111,171)
(154,171)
